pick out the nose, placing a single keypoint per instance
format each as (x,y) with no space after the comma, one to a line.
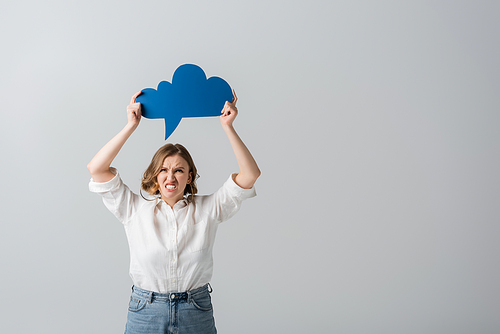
(170,177)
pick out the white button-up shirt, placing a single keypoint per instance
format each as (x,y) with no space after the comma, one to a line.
(171,248)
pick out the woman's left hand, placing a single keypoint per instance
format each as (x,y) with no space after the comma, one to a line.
(229,112)
(249,171)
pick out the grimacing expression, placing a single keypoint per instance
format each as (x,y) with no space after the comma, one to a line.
(173,178)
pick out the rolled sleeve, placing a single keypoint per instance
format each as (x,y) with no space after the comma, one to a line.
(117,197)
(225,202)
(237,191)
(102,187)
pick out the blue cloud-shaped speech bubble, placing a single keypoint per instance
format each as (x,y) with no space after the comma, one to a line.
(190,94)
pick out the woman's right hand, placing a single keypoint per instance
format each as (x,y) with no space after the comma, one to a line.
(99,165)
(134,111)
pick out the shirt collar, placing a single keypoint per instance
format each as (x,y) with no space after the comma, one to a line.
(181,204)
(177,206)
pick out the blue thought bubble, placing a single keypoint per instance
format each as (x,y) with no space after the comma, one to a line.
(190,94)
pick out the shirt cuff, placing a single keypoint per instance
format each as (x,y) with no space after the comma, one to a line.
(237,190)
(101,187)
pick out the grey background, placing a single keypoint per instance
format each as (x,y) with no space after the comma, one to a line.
(375,124)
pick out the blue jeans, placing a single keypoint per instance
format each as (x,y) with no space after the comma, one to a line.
(180,312)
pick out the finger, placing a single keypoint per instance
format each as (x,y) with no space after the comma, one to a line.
(138,112)
(235,98)
(133,106)
(135,96)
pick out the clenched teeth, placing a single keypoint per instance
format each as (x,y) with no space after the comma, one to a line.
(170,187)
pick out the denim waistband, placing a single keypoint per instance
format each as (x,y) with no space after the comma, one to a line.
(171,295)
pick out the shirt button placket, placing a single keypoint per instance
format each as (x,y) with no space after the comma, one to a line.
(173,260)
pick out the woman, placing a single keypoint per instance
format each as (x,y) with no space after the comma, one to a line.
(171,235)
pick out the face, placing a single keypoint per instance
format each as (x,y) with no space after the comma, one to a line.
(173,178)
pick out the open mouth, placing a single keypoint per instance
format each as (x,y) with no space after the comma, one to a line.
(170,187)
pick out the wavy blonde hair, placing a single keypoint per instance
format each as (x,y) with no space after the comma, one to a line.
(149,179)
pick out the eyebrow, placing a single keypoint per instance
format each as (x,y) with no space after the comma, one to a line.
(178,167)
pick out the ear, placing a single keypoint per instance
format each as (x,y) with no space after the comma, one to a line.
(190,177)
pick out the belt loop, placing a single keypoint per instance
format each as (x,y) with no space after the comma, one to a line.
(209,288)
(132,288)
(189,296)
(150,297)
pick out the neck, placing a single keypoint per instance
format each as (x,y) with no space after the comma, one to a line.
(171,201)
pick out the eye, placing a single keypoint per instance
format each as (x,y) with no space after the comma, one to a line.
(179,170)
(163,170)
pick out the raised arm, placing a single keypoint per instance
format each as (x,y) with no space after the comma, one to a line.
(99,165)
(249,171)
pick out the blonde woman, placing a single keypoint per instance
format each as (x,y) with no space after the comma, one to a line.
(171,234)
